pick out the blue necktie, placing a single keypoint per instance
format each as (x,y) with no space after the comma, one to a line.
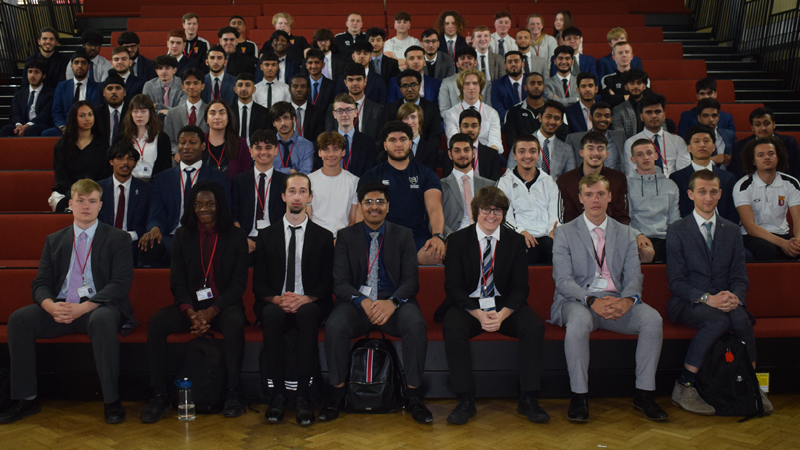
(659,161)
(286,155)
(516,92)
(31,98)
(314,90)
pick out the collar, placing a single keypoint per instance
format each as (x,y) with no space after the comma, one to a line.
(190,104)
(249,105)
(126,184)
(697,167)
(700,220)
(377,57)
(650,135)
(435,55)
(328,55)
(562,78)
(486,53)
(584,108)
(76,230)
(195,166)
(302,225)
(541,137)
(381,229)
(457,174)
(296,107)
(37,90)
(350,133)
(203,231)
(482,236)
(268,173)
(291,138)
(416,102)
(216,77)
(125,77)
(758,182)
(111,109)
(592,226)
(416,140)
(477,105)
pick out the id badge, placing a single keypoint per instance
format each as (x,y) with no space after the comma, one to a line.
(261,224)
(487,303)
(365,291)
(204,294)
(599,284)
(86,291)
(143,169)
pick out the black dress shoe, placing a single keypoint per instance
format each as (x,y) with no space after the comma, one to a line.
(643,402)
(529,407)
(234,404)
(303,412)
(578,408)
(418,410)
(114,412)
(155,410)
(277,408)
(330,410)
(19,409)
(465,409)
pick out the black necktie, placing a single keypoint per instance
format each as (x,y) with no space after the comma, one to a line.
(216,88)
(565,84)
(261,196)
(77,95)
(188,185)
(525,67)
(115,129)
(290,261)
(269,95)
(243,132)
(287,154)
(31,99)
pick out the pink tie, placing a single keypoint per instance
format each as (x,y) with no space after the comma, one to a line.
(467,197)
(588,120)
(475,161)
(76,277)
(166,96)
(604,273)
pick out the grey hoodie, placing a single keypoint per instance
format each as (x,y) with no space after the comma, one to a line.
(653,204)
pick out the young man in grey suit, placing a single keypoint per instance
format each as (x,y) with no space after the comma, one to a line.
(557,158)
(438,64)
(599,286)
(165,89)
(563,87)
(602,119)
(375,281)
(449,95)
(190,112)
(708,281)
(491,64)
(460,187)
(77,290)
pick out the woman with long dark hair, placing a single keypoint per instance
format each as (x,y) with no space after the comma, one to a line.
(142,127)
(225,150)
(562,22)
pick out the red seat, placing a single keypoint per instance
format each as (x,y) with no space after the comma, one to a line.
(300,11)
(35,228)
(683,91)
(676,69)
(645,50)
(25,191)
(219,10)
(164,24)
(27,153)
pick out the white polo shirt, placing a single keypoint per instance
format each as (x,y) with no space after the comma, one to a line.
(770,203)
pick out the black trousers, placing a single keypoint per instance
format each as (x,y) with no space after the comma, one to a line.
(460,326)
(33,130)
(170,320)
(542,253)
(660,247)
(274,321)
(764,250)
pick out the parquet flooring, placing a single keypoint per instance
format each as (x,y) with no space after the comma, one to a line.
(614,425)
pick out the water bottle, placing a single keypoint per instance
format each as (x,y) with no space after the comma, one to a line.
(185,400)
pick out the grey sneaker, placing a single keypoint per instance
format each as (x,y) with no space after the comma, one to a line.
(688,399)
(767,404)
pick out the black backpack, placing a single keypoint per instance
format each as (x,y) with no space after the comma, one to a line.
(204,366)
(376,384)
(728,382)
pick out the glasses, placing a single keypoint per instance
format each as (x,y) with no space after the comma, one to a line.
(430,41)
(406,87)
(347,111)
(487,211)
(378,202)
(130,46)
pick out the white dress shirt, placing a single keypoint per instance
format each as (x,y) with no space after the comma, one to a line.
(83,82)
(249,115)
(35,92)
(482,243)
(700,221)
(148,152)
(490,134)
(299,237)
(182,180)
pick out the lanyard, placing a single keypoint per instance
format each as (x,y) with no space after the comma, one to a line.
(358,114)
(288,157)
(262,201)
(538,47)
(664,156)
(207,271)
(183,186)
(600,261)
(140,147)
(189,43)
(369,268)
(78,258)
(297,125)
(221,155)
(483,273)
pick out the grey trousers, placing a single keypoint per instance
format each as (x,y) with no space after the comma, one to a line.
(30,323)
(641,319)
(347,321)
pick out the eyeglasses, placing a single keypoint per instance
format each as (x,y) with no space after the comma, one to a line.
(430,41)
(347,111)
(487,211)
(406,87)
(378,202)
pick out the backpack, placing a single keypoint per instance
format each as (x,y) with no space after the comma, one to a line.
(376,384)
(728,382)
(204,365)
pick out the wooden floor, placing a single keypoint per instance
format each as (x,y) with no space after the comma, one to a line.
(614,424)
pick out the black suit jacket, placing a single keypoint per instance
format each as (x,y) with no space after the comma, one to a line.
(43,102)
(399,258)
(461,42)
(243,199)
(327,92)
(375,89)
(365,155)
(789,142)
(431,128)
(257,117)
(269,273)
(489,164)
(373,114)
(133,86)
(462,270)
(338,63)
(313,122)
(145,70)
(427,154)
(138,202)
(230,269)
(726,207)
(186,63)
(112,269)
(521,120)
(241,63)
(102,120)
(56,68)
(389,68)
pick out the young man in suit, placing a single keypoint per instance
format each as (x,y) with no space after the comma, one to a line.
(490,63)
(121,62)
(563,87)
(598,286)
(208,277)
(533,200)
(762,122)
(126,199)
(449,94)
(335,206)
(557,158)
(532,61)
(176,40)
(705,88)
(236,62)
(410,82)
(54,60)
(310,118)
(709,114)
(594,151)
(672,153)
(189,112)
(607,65)
(217,82)
(82,286)
(375,281)
(602,118)
(292,283)
(449,26)
(141,67)
(387,67)
(430,87)
(374,88)
(499,303)
(321,88)
(525,117)
(700,142)
(346,40)
(80,87)
(360,153)
(335,62)
(286,65)
(109,113)
(582,63)
(256,200)
(508,90)
(370,116)
(438,64)
(32,105)
(165,89)
(249,115)
(170,195)
(626,114)
(708,281)
(578,114)
(502,42)
(270,89)
(486,161)
(460,187)
(91,42)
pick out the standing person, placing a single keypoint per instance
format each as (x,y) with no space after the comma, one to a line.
(196,47)
(141,127)
(460,186)
(292,283)
(335,206)
(225,151)
(55,62)
(208,275)
(82,286)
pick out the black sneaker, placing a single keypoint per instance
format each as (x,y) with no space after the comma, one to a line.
(19,409)
(529,407)
(418,410)
(330,410)
(155,410)
(234,405)
(643,402)
(465,410)
(578,408)
(303,412)
(277,408)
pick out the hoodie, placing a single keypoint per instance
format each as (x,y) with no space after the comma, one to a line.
(653,204)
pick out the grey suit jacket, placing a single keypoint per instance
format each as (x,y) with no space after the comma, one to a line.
(112,269)
(615,158)
(448,94)
(624,119)
(692,270)
(562,159)
(153,89)
(574,263)
(443,68)
(554,90)
(539,65)
(373,118)
(178,118)
(453,201)
(495,63)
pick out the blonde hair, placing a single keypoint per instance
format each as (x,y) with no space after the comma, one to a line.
(542,34)
(479,29)
(408,109)
(591,180)
(283,15)
(616,33)
(460,82)
(85,187)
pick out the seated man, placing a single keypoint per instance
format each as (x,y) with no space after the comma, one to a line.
(430,87)
(375,88)
(375,282)
(557,158)
(490,63)
(270,89)
(606,64)
(593,292)
(449,94)
(32,105)
(256,204)
(410,82)
(573,37)
(626,114)
(236,60)
(165,89)
(533,198)
(295,153)
(218,83)
(653,203)
(126,199)
(247,114)
(190,112)
(765,229)
(244,46)
(602,119)
(91,42)
(460,186)
(438,64)
(310,118)
(508,90)
(700,140)
(502,42)
(370,116)
(360,153)
(121,62)
(490,300)
(562,86)
(335,206)
(762,122)
(292,283)
(109,113)
(141,67)
(417,192)
(196,46)
(207,282)
(486,161)
(321,87)
(672,153)
(47,52)
(470,84)
(170,195)
(347,39)
(706,296)
(578,115)
(705,88)
(709,115)
(524,117)
(80,87)
(594,151)
(72,295)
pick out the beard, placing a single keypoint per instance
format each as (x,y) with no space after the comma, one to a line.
(294,210)
(392,156)
(463,166)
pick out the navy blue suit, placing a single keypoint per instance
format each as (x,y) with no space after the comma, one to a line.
(62,100)
(585,62)
(243,192)
(432,86)
(43,103)
(133,86)
(689,119)
(375,89)
(575,118)
(729,137)
(725,207)
(504,97)
(138,203)
(225,89)
(606,65)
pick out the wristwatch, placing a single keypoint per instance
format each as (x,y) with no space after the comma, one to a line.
(396,301)
(704,298)
(590,299)
(440,236)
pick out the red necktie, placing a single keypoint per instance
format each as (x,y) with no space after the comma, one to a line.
(193,117)
(120,208)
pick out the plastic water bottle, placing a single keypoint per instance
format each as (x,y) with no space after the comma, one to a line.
(185,400)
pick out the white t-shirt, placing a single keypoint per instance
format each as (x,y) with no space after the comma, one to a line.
(398,47)
(770,203)
(333,198)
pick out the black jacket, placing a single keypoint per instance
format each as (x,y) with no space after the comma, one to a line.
(431,128)
(489,164)
(243,199)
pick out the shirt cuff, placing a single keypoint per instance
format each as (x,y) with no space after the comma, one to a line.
(134,235)
(357,300)
(29,123)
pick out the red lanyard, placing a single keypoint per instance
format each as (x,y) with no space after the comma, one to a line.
(538,47)
(78,258)
(358,111)
(140,147)
(491,269)
(297,125)
(369,268)
(221,155)
(190,46)
(262,201)
(183,186)
(288,158)
(664,156)
(319,91)
(206,271)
